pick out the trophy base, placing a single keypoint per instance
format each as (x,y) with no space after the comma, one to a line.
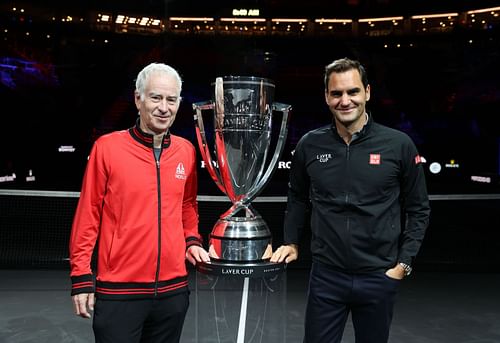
(241,269)
(239,302)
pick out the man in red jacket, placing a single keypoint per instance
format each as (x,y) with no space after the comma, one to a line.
(138,205)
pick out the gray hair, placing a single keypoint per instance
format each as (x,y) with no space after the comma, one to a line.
(153,68)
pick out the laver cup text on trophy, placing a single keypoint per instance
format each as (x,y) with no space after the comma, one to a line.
(243,109)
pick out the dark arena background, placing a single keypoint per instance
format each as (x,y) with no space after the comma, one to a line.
(67,76)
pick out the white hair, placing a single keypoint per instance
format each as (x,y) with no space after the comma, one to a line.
(144,74)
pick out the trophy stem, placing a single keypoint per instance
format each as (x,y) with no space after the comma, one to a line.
(250,212)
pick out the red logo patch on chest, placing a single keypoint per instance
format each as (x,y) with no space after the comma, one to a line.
(374,158)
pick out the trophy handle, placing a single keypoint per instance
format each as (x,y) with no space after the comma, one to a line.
(276,106)
(202,142)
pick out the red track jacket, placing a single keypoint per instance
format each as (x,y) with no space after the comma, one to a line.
(143,214)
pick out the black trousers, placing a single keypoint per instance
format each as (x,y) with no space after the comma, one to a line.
(141,320)
(332,295)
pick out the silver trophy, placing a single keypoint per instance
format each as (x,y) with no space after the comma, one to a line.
(243,109)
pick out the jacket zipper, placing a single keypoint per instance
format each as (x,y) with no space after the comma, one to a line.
(157,276)
(347,200)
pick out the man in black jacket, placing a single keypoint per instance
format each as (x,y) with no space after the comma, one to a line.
(358,177)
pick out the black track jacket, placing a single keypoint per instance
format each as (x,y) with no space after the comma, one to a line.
(358,193)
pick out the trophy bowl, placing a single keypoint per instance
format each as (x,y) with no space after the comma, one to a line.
(243,109)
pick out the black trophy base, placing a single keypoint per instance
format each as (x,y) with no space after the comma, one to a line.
(241,269)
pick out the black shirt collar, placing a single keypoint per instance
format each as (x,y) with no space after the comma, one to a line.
(147,138)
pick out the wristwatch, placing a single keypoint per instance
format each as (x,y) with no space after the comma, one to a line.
(406,267)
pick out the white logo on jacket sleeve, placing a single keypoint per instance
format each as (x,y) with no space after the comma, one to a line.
(180,173)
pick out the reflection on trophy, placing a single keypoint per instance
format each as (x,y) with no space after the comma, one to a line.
(243,109)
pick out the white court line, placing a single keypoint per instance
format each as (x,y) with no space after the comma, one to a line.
(243,312)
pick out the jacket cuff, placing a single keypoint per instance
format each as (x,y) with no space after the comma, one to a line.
(82,284)
(405,259)
(190,241)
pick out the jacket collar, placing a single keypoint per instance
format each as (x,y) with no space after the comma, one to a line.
(358,134)
(146,138)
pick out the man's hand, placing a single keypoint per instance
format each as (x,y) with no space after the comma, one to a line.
(397,272)
(287,253)
(196,254)
(83,304)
